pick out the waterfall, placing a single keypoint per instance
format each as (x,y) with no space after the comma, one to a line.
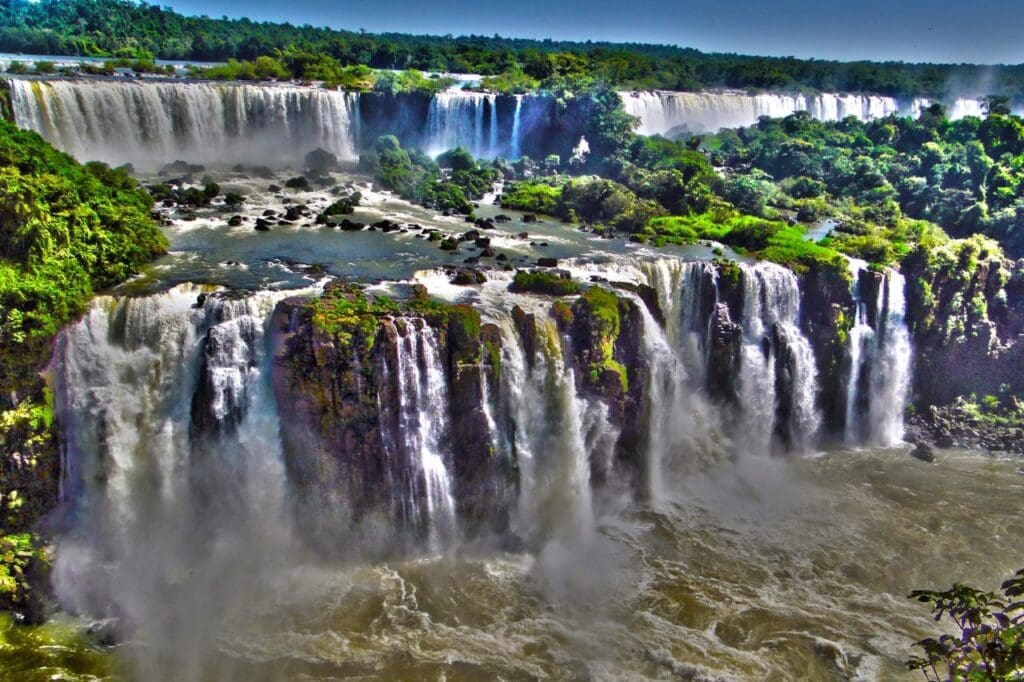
(687,292)
(149,124)
(172,457)
(890,375)
(681,430)
(778,377)
(678,113)
(457,119)
(549,435)
(422,416)
(879,357)
(515,149)
(492,143)
(861,339)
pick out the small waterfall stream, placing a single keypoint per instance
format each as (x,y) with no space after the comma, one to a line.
(879,357)
(422,416)
(778,375)
(517,124)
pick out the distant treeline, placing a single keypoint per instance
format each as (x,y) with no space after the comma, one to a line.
(121,28)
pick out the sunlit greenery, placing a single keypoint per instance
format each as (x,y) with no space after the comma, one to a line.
(66,230)
(416,177)
(966,176)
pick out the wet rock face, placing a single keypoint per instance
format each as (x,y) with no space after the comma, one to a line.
(828,313)
(953,427)
(605,331)
(967,324)
(725,339)
(327,395)
(336,378)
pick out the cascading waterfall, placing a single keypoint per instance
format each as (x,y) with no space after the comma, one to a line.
(168,417)
(459,118)
(172,458)
(422,416)
(492,143)
(771,305)
(210,123)
(517,122)
(880,358)
(681,430)
(549,436)
(687,291)
(775,373)
(678,113)
(891,376)
(862,337)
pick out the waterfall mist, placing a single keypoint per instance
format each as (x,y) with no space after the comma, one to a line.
(177,486)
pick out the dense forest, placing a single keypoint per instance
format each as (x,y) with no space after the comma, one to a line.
(66,230)
(121,28)
(966,176)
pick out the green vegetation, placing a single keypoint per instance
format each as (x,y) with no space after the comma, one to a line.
(514,82)
(881,178)
(66,230)
(767,239)
(943,265)
(533,196)
(1005,410)
(988,643)
(589,199)
(415,177)
(543,282)
(343,206)
(601,307)
(345,313)
(120,28)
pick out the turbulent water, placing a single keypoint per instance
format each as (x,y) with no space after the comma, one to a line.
(741,566)
(738,564)
(676,113)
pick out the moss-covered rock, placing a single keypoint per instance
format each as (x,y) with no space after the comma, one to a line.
(547,282)
(6,109)
(335,381)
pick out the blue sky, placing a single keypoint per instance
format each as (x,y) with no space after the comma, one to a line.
(979,31)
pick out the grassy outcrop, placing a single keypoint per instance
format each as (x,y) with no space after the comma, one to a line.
(771,240)
(543,282)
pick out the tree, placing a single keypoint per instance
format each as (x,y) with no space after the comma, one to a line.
(996,104)
(989,640)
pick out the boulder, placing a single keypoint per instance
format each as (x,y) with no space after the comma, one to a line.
(923,451)
(468,277)
(320,160)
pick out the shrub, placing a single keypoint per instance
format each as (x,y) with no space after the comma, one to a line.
(988,643)
(543,282)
